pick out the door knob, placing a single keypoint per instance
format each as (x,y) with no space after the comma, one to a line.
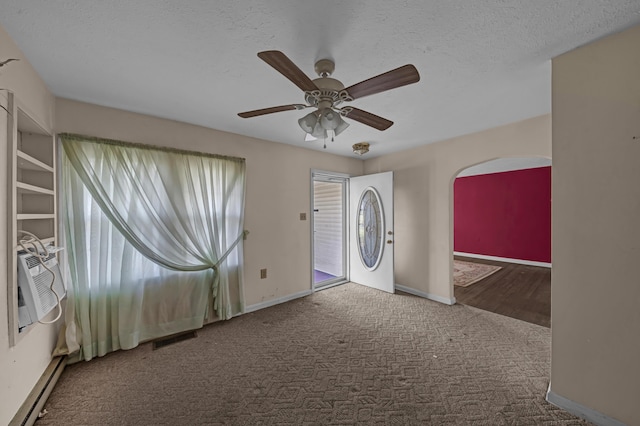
(389,241)
(390,232)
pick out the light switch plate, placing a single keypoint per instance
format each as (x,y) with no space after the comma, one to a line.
(303,216)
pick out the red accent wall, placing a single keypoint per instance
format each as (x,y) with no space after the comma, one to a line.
(505,214)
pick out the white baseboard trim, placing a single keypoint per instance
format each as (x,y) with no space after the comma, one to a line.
(503,259)
(273,302)
(580,410)
(29,412)
(429,296)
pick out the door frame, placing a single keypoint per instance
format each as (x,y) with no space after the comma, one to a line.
(328,176)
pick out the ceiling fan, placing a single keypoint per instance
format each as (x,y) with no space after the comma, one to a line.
(326,94)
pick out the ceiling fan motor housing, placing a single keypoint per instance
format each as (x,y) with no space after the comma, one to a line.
(329,90)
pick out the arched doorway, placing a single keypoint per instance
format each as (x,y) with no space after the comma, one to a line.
(501,236)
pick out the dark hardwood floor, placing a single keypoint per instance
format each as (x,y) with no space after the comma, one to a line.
(516,291)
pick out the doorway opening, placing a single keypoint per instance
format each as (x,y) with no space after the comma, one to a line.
(340,207)
(502,224)
(329,227)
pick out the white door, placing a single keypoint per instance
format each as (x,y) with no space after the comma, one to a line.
(371,231)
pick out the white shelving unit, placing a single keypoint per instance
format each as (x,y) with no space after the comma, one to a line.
(31,206)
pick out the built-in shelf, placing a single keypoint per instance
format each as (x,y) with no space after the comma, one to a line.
(25,188)
(31,204)
(46,241)
(27,162)
(33,216)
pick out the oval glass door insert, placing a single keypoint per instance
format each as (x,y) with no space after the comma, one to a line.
(370,228)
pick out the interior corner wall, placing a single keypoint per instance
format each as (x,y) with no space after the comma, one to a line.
(278,183)
(22,365)
(423,196)
(595,290)
(506,214)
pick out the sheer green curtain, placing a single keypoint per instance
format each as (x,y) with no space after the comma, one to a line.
(154,241)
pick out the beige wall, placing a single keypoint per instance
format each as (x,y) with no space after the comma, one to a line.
(22,365)
(596,236)
(278,188)
(423,189)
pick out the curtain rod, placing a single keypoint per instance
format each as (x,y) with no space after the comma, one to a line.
(83,138)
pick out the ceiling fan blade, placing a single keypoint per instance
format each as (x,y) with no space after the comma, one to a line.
(284,66)
(367,118)
(407,74)
(263,111)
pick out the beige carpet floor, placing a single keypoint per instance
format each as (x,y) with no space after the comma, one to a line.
(346,355)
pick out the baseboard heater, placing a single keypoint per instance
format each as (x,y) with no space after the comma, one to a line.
(30,409)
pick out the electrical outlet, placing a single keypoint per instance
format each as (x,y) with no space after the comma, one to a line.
(303,216)
(263,273)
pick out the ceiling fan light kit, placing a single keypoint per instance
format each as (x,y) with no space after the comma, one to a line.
(321,123)
(326,94)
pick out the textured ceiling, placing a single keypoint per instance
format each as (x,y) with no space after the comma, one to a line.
(482,63)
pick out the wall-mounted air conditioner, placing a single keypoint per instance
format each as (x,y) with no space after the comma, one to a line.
(36,297)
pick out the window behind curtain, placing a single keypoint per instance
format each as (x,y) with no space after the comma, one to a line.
(146,230)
